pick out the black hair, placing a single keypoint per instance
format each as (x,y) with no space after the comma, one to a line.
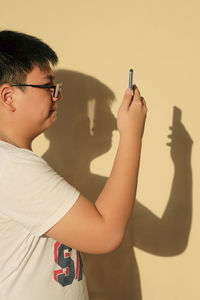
(19,53)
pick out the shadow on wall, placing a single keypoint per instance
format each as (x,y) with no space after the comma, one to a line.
(75,140)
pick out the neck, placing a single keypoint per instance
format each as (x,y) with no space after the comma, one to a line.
(17,142)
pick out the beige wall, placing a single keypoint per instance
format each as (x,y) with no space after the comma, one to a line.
(97,42)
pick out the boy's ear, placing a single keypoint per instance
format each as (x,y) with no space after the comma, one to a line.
(6,97)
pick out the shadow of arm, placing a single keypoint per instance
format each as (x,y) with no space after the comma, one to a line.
(169,235)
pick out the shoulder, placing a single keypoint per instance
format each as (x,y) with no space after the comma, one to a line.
(12,152)
(18,159)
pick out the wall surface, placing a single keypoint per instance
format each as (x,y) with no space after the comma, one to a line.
(97,42)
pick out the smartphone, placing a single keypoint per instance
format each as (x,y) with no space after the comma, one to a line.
(130,83)
(176,116)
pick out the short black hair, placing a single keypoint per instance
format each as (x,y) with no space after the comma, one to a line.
(19,53)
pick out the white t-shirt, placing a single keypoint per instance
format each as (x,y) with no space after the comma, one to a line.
(33,198)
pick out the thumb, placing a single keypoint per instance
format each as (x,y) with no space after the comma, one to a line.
(127,99)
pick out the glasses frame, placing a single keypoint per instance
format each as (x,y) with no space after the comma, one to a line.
(56,88)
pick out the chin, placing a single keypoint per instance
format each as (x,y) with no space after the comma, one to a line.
(49,122)
(52,116)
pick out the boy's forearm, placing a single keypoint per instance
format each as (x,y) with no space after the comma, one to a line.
(116,201)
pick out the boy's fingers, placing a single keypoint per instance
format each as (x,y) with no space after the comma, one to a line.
(132,96)
(128,96)
(136,94)
(143,100)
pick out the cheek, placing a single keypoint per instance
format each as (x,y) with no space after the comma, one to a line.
(35,114)
(34,107)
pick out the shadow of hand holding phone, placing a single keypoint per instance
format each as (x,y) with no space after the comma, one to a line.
(82,133)
(168,235)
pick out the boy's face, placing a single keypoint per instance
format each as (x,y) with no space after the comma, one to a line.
(36,107)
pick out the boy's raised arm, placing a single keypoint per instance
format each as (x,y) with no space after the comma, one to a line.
(100,227)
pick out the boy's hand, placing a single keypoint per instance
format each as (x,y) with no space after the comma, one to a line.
(132,115)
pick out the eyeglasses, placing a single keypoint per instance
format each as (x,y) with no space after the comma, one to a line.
(56,89)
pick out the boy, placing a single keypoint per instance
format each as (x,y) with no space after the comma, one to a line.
(43,219)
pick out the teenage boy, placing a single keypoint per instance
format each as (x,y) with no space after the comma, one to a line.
(44,221)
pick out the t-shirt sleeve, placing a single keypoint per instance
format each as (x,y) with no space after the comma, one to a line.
(33,194)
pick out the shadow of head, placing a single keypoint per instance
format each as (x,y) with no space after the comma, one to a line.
(84,125)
